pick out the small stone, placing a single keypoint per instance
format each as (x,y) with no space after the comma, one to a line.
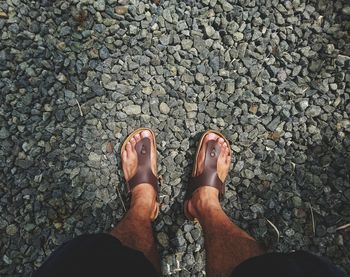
(281,75)
(186,44)
(25,164)
(346,10)
(289,232)
(121,10)
(274,123)
(343,60)
(11,230)
(179,240)
(4,133)
(167,15)
(163,239)
(164,40)
(159,90)
(195,233)
(190,107)
(333,86)
(297,201)
(62,78)
(133,30)
(132,110)
(109,148)
(110,85)
(29,227)
(61,45)
(247,173)
(227,7)
(303,104)
(6,259)
(316,65)
(94,157)
(237,36)
(330,49)
(57,225)
(257,208)
(209,31)
(200,78)
(147,90)
(164,108)
(313,111)
(100,5)
(104,52)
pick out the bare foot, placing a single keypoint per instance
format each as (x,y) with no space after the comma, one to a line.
(208,197)
(143,196)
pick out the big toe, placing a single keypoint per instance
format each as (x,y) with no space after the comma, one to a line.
(146,134)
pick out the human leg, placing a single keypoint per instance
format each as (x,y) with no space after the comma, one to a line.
(226,244)
(135,230)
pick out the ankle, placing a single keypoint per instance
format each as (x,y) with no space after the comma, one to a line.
(143,200)
(204,201)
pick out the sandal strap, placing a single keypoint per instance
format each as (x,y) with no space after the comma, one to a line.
(144,172)
(209,177)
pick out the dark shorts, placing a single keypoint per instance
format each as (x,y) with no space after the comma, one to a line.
(104,255)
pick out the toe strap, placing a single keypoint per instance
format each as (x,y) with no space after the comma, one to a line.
(144,172)
(209,177)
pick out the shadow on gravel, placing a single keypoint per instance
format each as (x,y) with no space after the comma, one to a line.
(305,195)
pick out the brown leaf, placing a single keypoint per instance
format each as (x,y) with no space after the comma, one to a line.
(253,109)
(109,148)
(121,10)
(3,14)
(157,2)
(81,17)
(274,136)
(265,184)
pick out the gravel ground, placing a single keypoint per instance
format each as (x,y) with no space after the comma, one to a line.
(78,76)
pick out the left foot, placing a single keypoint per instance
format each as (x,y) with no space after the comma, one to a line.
(143,196)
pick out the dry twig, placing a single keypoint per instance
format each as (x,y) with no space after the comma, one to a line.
(121,199)
(345,226)
(313,220)
(81,112)
(275,228)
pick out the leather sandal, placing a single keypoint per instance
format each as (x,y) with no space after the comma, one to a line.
(209,176)
(144,172)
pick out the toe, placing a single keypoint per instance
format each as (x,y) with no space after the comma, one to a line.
(227,155)
(146,134)
(133,142)
(137,137)
(128,147)
(124,155)
(211,136)
(223,151)
(221,140)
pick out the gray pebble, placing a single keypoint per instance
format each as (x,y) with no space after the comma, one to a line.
(191,107)
(132,110)
(237,36)
(4,133)
(313,111)
(104,52)
(164,108)
(100,5)
(11,230)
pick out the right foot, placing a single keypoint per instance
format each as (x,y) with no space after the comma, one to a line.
(208,197)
